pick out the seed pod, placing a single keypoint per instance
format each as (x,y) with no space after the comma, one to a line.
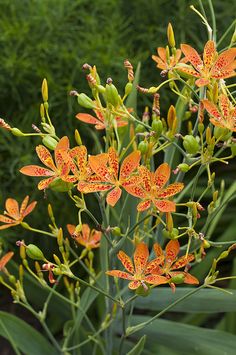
(139,128)
(178,279)
(143,147)
(157,126)
(184,167)
(143,290)
(17,132)
(112,95)
(59,185)
(85,101)
(128,88)
(49,142)
(191,144)
(34,252)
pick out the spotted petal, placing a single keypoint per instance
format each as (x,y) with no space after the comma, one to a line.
(113,196)
(209,54)
(120,274)
(113,162)
(6,219)
(192,56)
(44,184)
(172,250)
(141,255)
(85,117)
(35,170)
(171,190)
(156,279)
(45,157)
(162,175)
(158,250)
(144,205)
(130,163)
(224,60)
(87,187)
(153,264)
(29,209)
(165,205)
(12,208)
(126,261)
(5,259)
(183,261)
(24,204)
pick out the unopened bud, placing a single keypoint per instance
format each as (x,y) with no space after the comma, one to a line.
(49,142)
(17,132)
(85,101)
(34,252)
(170,35)
(45,90)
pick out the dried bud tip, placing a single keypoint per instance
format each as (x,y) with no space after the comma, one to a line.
(20,243)
(73,93)
(86,66)
(36,129)
(5,125)
(109,81)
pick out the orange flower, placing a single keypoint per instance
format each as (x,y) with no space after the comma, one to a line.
(106,168)
(151,189)
(212,65)
(140,272)
(58,170)
(15,215)
(100,122)
(5,259)
(90,239)
(162,60)
(171,263)
(225,116)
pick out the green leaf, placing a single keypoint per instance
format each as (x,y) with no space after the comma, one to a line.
(23,336)
(138,348)
(204,301)
(185,339)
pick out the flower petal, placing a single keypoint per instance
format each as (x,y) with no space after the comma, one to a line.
(141,255)
(35,170)
(113,162)
(120,274)
(134,285)
(43,184)
(113,196)
(171,190)
(152,265)
(12,208)
(188,278)
(29,209)
(224,60)
(98,164)
(202,82)
(211,109)
(6,219)
(126,261)
(183,261)
(144,205)
(192,55)
(172,250)
(165,205)
(162,175)
(157,249)
(224,104)
(87,187)
(156,279)
(130,163)
(45,157)
(146,178)
(85,117)
(5,226)
(5,259)
(135,190)
(23,205)
(209,54)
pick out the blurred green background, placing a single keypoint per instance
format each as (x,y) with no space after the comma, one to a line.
(52,39)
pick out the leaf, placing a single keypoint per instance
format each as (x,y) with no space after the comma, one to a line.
(138,348)
(26,338)
(185,339)
(204,301)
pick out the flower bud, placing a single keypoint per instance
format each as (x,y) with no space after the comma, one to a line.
(139,128)
(49,142)
(170,35)
(128,88)
(16,132)
(45,90)
(101,89)
(157,126)
(143,147)
(178,279)
(78,138)
(116,231)
(201,128)
(34,252)
(190,144)
(112,95)
(85,101)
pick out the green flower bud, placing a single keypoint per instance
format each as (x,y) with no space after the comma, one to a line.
(116,231)
(157,126)
(59,185)
(49,142)
(201,128)
(233,149)
(139,128)
(190,144)
(112,95)
(128,88)
(45,90)
(17,132)
(170,235)
(177,279)
(223,133)
(85,101)
(143,147)
(184,167)
(34,252)
(101,89)
(143,291)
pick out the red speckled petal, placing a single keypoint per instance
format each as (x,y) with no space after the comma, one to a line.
(43,184)
(80,153)
(120,274)
(165,205)
(113,196)
(130,163)
(144,205)
(211,109)
(146,178)
(5,226)
(162,175)
(192,56)
(224,60)
(171,190)
(35,170)
(209,54)
(6,219)
(202,82)
(134,285)
(23,205)
(126,261)
(188,70)
(141,255)
(5,259)
(62,145)
(29,209)
(224,104)
(45,157)
(158,249)
(172,250)
(113,162)
(70,228)
(156,279)
(12,208)
(152,265)
(135,190)
(183,261)
(98,164)
(87,187)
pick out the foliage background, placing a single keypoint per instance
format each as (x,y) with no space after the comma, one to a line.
(53,39)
